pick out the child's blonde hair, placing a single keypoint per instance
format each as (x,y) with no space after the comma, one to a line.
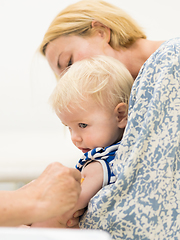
(103,79)
(77,19)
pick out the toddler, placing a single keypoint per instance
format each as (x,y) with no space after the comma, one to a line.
(91,99)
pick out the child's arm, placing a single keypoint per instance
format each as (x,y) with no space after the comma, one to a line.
(93,180)
(92,183)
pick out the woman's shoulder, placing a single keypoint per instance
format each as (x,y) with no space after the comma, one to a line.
(168,50)
(171,42)
(160,61)
(171,45)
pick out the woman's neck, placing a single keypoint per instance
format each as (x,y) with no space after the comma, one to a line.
(135,56)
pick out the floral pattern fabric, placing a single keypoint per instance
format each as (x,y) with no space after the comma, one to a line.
(144,202)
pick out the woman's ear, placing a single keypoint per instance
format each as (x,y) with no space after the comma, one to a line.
(121,112)
(104,31)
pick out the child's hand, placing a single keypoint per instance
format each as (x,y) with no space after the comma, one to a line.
(74,221)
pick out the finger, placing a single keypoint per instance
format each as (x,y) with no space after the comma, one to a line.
(24,226)
(79,213)
(76,174)
(73,222)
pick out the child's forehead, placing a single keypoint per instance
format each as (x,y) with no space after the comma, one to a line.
(85,106)
(82,112)
(73,113)
(82,109)
(71,118)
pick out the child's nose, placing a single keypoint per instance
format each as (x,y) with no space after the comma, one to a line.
(75,137)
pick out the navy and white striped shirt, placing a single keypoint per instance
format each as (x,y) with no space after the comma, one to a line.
(103,155)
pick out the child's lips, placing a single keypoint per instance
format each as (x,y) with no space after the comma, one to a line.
(84,150)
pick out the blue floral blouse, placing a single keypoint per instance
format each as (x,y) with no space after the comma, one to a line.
(144,202)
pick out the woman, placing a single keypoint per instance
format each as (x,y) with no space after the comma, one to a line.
(57,189)
(145,200)
(99,29)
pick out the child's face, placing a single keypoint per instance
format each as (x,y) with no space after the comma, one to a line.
(91,128)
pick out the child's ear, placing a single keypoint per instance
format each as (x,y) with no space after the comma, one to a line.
(104,31)
(121,112)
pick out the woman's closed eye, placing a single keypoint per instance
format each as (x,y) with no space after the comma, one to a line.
(82,125)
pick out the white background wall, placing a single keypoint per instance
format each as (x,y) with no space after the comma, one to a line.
(31,136)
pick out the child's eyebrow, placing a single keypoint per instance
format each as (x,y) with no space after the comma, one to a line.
(64,124)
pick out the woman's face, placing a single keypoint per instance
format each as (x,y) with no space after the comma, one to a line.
(65,50)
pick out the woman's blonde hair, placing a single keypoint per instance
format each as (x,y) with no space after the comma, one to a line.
(102,79)
(77,19)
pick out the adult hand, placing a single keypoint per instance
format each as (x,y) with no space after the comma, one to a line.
(55,192)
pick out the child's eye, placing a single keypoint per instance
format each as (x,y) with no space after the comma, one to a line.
(82,125)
